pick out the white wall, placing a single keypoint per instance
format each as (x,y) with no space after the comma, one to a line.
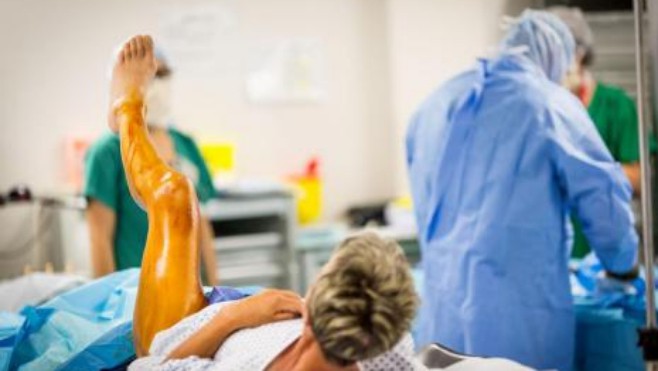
(382,58)
(53,84)
(431,41)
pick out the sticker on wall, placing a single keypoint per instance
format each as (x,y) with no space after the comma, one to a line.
(287,71)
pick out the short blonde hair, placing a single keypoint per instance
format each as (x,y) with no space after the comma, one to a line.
(364,301)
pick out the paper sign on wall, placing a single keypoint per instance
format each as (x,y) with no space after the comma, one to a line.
(286,71)
(199,35)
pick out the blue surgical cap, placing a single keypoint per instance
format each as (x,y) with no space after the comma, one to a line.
(160,55)
(545,40)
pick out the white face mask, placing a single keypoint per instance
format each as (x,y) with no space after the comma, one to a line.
(573,78)
(158,102)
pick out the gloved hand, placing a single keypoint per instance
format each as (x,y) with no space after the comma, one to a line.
(607,284)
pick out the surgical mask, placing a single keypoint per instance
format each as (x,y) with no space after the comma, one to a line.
(158,102)
(573,79)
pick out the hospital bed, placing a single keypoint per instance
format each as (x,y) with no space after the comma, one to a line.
(90,327)
(438,357)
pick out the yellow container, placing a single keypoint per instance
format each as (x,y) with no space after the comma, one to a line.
(309,199)
(219,157)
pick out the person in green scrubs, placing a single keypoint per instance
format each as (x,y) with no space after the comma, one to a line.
(117,225)
(611,109)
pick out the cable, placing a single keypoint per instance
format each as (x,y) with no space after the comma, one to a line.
(43,224)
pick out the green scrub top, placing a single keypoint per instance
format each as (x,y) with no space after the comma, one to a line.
(105,181)
(615,117)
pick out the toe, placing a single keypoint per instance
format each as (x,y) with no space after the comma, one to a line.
(122,53)
(134,49)
(148,42)
(127,52)
(139,46)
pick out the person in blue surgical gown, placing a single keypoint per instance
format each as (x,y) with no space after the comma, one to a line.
(497,157)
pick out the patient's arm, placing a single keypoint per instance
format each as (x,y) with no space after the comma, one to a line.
(169,285)
(205,342)
(266,307)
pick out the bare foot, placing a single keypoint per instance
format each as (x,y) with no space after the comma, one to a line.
(133,70)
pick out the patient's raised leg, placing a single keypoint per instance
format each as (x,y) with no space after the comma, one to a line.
(169,286)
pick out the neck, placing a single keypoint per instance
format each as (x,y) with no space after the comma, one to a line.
(304,354)
(294,355)
(156,128)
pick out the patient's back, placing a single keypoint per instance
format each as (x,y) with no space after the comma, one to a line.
(254,348)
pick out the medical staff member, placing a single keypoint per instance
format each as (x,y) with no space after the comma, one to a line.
(610,108)
(496,157)
(117,225)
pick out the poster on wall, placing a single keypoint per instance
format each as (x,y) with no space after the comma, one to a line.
(286,71)
(199,36)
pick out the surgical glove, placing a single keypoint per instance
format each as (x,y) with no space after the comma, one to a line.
(605,284)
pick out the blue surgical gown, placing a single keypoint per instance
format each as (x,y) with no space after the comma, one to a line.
(497,158)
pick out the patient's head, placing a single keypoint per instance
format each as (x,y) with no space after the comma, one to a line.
(364,300)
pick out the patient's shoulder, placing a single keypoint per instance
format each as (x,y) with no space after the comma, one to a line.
(401,357)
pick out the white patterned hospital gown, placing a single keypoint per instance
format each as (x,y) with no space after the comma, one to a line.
(253,349)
